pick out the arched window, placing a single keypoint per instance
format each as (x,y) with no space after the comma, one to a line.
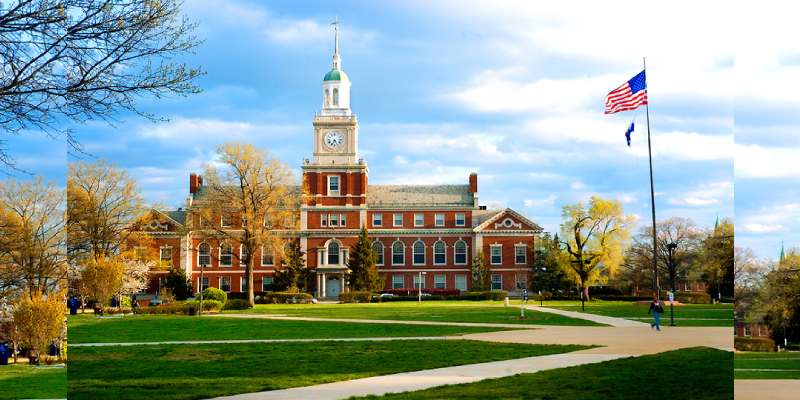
(398,253)
(460,252)
(226,254)
(327,99)
(377,247)
(335,97)
(419,253)
(204,254)
(333,253)
(439,256)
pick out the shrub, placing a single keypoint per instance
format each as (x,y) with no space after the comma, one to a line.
(213,293)
(236,304)
(753,344)
(284,297)
(410,298)
(355,297)
(485,295)
(690,297)
(170,308)
(208,305)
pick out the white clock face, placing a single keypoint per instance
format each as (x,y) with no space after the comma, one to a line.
(334,139)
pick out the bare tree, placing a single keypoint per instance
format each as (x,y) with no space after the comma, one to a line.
(81,60)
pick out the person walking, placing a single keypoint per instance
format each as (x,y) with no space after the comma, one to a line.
(657,310)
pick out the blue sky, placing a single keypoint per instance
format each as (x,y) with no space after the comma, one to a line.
(512,90)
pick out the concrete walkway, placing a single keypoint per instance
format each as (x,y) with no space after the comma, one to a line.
(367,339)
(378,321)
(761,389)
(600,319)
(419,380)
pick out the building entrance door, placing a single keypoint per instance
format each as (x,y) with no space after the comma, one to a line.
(332,288)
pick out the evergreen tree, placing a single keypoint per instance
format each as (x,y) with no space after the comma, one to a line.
(480,273)
(179,284)
(293,268)
(363,271)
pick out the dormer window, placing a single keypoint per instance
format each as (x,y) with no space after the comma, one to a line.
(333,185)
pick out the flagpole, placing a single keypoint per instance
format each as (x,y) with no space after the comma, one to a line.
(652,193)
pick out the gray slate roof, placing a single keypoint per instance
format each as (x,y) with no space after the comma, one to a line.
(481,216)
(418,195)
(177,215)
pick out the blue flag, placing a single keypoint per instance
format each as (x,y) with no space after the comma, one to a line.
(628,134)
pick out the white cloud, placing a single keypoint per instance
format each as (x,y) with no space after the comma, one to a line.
(216,130)
(705,195)
(760,228)
(578,185)
(547,201)
(754,161)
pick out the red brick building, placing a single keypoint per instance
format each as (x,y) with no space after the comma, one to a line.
(430,232)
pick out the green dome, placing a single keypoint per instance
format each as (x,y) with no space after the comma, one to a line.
(335,75)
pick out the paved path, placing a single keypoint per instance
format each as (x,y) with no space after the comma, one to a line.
(419,380)
(369,339)
(601,319)
(621,338)
(762,389)
(378,321)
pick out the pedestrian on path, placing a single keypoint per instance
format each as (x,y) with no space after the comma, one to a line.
(657,310)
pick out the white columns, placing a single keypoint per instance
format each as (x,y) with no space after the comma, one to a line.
(324,284)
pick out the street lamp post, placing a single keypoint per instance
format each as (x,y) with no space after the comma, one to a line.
(421,274)
(671,266)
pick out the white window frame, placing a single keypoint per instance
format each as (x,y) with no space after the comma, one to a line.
(414,253)
(382,260)
(421,217)
(394,219)
(241,255)
(242,283)
(461,219)
(221,278)
(272,256)
(200,254)
(333,218)
(464,278)
(443,253)
(222,221)
(524,254)
(491,255)
(200,283)
(518,281)
(339,255)
(338,190)
(343,220)
(499,281)
(437,284)
(455,254)
(264,279)
(220,254)
(436,219)
(323,220)
(377,219)
(402,281)
(161,254)
(417,282)
(403,254)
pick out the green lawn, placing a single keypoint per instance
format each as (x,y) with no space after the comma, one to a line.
(22,381)
(149,328)
(203,371)
(685,315)
(781,365)
(697,374)
(444,311)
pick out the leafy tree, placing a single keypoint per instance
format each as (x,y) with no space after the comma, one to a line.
(179,284)
(751,274)
(719,260)
(39,320)
(547,272)
(102,279)
(255,189)
(363,271)
(480,273)
(79,60)
(290,276)
(32,238)
(593,237)
(779,300)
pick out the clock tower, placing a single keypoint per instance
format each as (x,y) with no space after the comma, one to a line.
(335,176)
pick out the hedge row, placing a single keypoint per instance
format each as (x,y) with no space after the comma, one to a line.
(236,304)
(181,307)
(415,292)
(283,298)
(355,297)
(486,295)
(753,344)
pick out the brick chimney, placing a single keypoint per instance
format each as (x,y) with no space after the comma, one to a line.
(473,182)
(195,182)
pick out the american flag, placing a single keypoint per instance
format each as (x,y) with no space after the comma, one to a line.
(629,96)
